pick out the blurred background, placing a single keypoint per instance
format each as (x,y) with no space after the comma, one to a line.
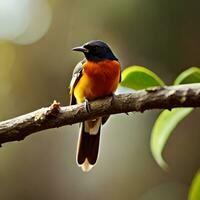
(36,63)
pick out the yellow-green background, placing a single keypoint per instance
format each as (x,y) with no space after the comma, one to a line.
(161,35)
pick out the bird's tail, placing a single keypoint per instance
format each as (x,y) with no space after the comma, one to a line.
(88,143)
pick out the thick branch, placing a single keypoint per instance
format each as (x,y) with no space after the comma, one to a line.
(55,116)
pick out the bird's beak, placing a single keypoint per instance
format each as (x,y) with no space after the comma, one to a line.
(81,49)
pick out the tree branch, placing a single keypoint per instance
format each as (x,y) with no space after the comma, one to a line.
(18,128)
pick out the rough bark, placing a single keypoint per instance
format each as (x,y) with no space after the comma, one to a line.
(168,97)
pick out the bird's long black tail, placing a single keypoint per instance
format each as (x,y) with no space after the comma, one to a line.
(88,143)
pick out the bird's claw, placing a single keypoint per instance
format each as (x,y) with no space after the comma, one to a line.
(87,106)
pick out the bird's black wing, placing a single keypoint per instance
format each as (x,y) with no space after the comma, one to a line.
(77,73)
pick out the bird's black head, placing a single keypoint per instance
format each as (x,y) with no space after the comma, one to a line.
(96,50)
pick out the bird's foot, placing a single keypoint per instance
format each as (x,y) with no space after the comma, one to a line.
(87,105)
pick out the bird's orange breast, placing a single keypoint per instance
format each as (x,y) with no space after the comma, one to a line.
(99,79)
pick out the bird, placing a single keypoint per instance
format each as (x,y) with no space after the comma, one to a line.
(94,77)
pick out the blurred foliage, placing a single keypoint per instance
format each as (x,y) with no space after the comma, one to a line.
(168,120)
(141,78)
(163,127)
(24,23)
(162,35)
(7,60)
(194,193)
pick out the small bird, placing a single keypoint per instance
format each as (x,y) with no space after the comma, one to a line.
(96,76)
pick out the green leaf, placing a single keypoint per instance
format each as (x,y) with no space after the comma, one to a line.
(191,75)
(167,121)
(163,127)
(194,192)
(138,78)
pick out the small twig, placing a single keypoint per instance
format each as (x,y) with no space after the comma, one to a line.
(55,116)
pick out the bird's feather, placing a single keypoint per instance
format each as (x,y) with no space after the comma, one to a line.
(88,147)
(77,73)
